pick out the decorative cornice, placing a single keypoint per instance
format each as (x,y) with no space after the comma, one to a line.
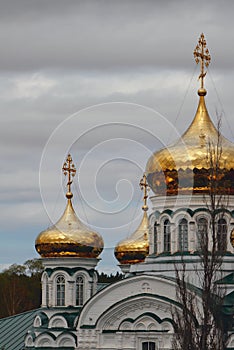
(191,212)
(71,271)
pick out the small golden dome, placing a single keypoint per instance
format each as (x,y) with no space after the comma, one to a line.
(134,249)
(69,237)
(185,166)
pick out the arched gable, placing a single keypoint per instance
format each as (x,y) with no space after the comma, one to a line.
(46,339)
(41,320)
(145,290)
(143,312)
(65,339)
(150,321)
(58,321)
(29,339)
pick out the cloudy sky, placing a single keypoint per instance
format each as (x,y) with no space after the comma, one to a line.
(111,81)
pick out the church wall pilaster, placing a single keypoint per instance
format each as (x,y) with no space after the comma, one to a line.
(192,236)
(71,293)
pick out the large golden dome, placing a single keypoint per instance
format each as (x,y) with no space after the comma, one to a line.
(69,237)
(135,248)
(186,166)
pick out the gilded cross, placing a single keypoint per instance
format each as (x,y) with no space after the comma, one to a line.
(144,186)
(202,55)
(70,170)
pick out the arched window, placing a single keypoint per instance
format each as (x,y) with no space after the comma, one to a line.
(79,290)
(148,345)
(167,236)
(155,238)
(222,235)
(183,235)
(60,290)
(202,230)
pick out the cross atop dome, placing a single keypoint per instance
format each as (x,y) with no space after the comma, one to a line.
(70,170)
(144,186)
(202,55)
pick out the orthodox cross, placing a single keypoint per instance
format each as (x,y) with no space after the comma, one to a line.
(144,186)
(70,170)
(202,55)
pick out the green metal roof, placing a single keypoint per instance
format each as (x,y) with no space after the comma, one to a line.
(229,279)
(13,330)
(228,304)
(102,285)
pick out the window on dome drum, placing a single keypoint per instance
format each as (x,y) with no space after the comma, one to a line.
(60,290)
(202,227)
(148,345)
(183,235)
(167,236)
(155,238)
(80,291)
(222,235)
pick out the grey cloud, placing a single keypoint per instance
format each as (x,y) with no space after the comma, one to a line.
(58,57)
(109,34)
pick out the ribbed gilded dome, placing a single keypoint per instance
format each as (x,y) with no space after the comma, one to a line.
(135,248)
(186,166)
(69,237)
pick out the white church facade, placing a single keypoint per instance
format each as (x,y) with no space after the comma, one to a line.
(136,312)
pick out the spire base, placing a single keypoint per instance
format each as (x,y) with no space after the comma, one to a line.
(69,195)
(202,92)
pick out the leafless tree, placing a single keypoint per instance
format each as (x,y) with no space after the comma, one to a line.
(209,334)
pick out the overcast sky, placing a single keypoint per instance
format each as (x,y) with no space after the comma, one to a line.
(111,81)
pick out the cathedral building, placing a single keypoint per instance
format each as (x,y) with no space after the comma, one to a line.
(136,313)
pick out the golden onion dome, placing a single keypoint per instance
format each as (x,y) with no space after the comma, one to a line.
(69,237)
(135,248)
(186,165)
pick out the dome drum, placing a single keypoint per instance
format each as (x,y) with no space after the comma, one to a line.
(195,181)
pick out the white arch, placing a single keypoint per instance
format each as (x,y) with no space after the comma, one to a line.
(181,215)
(37,322)
(65,340)
(164,217)
(29,340)
(167,326)
(44,340)
(125,326)
(140,326)
(148,321)
(57,321)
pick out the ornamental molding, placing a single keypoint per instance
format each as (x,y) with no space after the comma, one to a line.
(133,309)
